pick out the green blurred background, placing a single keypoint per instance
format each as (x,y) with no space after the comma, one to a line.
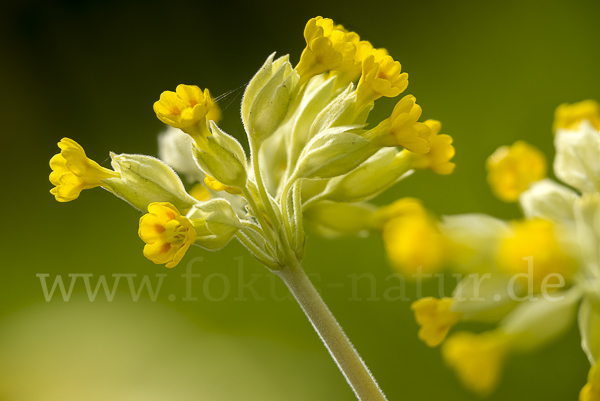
(492,72)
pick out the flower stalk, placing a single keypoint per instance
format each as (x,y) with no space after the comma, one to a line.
(335,340)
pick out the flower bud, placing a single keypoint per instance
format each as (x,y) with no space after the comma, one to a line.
(378,173)
(144,180)
(333,152)
(267,98)
(215,223)
(222,158)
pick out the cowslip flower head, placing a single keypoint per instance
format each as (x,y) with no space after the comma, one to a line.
(381,76)
(327,48)
(477,359)
(440,153)
(568,116)
(189,109)
(512,168)
(73,172)
(403,128)
(311,160)
(167,234)
(435,318)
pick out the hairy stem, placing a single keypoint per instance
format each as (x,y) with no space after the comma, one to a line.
(349,362)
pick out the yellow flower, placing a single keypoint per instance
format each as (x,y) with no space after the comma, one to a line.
(440,153)
(381,76)
(591,391)
(352,71)
(535,238)
(216,186)
(477,359)
(512,169)
(167,234)
(570,115)
(401,207)
(403,129)
(413,241)
(189,109)
(435,318)
(327,48)
(73,172)
(200,192)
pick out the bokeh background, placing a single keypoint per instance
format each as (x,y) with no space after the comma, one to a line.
(492,72)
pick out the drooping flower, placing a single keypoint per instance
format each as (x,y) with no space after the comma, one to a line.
(381,76)
(440,153)
(167,234)
(73,172)
(189,109)
(403,128)
(435,318)
(327,48)
(477,359)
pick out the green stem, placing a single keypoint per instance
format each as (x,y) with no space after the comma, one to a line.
(257,212)
(285,211)
(349,362)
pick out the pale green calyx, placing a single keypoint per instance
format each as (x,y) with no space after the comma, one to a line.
(223,158)
(215,223)
(144,180)
(267,98)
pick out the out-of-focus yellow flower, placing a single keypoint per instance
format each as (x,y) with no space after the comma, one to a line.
(535,238)
(327,48)
(381,76)
(512,169)
(414,242)
(200,192)
(591,391)
(167,234)
(217,186)
(570,115)
(189,109)
(477,359)
(402,207)
(440,153)
(73,172)
(435,318)
(403,129)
